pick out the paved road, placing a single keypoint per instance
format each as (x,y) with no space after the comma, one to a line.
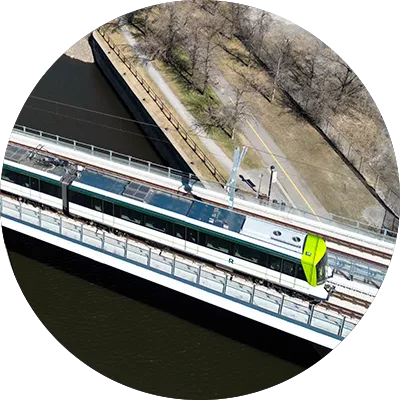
(290,183)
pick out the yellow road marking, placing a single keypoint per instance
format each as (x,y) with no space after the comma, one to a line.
(280,165)
(283,170)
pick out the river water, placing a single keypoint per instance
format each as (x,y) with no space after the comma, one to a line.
(133,331)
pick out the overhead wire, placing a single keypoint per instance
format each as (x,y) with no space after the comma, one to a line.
(137,122)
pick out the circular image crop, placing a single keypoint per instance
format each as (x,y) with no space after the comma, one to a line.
(200,200)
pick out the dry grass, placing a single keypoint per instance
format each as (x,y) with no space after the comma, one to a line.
(328,177)
(194,101)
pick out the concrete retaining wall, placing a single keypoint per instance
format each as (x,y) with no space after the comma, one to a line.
(164,148)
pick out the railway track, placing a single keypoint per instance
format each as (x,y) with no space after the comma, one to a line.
(342,310)
(371,262)
(346,310)
(351,299)
(328,239)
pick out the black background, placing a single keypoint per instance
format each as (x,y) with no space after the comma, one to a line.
(34,36)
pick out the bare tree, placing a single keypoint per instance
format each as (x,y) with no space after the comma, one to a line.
(210,114)
(347,87)
(262,24)
(209,43)
(166,30)
(236,111)
(207,60)
(322,83)
(211,6)
(225,117)
(173,25)
(254,78)
(193,46)
(283,50)
(140,19)
(235,16)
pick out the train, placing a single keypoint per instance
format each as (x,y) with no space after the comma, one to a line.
(290,260)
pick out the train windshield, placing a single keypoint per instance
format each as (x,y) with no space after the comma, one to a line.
(321,270)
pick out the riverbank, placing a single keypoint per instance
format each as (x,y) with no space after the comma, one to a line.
(81,50)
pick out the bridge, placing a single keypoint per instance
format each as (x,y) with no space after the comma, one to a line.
(358,256)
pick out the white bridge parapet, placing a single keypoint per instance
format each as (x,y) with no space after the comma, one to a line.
(176,180)
(183,275)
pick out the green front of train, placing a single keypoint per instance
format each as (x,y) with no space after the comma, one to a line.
(314,260)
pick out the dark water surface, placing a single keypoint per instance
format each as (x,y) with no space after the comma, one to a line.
(83,86)
(135,332)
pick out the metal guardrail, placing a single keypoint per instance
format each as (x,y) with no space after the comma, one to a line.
(357,270)
(216,282)
(375,180)
(110,155)
(191,180)
(165,110)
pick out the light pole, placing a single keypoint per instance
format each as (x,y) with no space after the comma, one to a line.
(270,181)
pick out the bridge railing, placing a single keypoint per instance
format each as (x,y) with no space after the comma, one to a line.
(110,155)
(214,281)
(190,179)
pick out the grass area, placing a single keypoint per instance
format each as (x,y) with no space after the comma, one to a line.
(336,187)
(196,103)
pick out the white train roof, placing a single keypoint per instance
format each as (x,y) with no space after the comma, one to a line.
(274,234)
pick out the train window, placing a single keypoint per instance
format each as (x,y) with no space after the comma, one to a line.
(247,253)
(128,214)
(264,259)
(97,204)
(24,181)
(218,244)
(10,176)
(179,231)
(202,239)
(117,211)
(135,217)
(320,269)
(78,198)
(50,188)
(170,228)
(275,263)
(300,273)
(288,268)
(34,183)
(156,223)
(108,208)
(191,235)
(124,213)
